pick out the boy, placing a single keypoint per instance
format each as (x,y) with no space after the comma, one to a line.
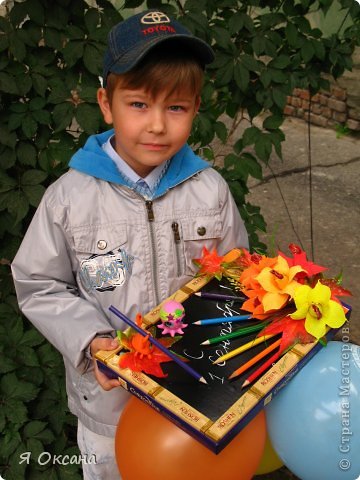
(123,225)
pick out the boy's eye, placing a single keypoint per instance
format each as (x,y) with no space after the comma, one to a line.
(138,104)
(176,108)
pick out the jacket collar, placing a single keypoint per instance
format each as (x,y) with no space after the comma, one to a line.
(92,160)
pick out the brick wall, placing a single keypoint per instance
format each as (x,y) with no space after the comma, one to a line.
(327,109)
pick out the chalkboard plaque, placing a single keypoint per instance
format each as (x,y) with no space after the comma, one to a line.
(216,412)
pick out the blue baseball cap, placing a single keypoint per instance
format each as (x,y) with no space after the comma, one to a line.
(130,40)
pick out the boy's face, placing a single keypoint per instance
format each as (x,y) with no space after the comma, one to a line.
(148,131)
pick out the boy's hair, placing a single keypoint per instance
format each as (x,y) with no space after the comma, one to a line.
(161,70)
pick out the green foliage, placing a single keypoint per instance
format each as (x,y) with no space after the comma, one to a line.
(50,60)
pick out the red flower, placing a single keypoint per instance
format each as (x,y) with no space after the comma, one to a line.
(299,258)
(143,356)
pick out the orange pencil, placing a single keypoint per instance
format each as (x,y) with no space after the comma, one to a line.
(255,359)
(261,369)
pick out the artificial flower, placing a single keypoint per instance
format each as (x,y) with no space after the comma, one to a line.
(143,356)
(257,264)
(292,331)
(316,307)
(299,258)
(279,283)
(210,263)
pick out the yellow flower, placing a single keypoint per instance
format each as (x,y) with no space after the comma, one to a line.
(279,283)
(316,307)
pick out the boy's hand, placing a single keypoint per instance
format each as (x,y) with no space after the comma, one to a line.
(97,344)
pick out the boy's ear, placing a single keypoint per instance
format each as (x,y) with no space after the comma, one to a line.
(104,105)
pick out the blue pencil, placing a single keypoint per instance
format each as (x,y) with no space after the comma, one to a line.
(213,321)
(161,347)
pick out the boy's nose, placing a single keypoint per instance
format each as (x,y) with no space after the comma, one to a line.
(157,122)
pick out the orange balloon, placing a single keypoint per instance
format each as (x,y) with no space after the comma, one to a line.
(149,446)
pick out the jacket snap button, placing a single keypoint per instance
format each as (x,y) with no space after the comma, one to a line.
(201,231)
(101,244)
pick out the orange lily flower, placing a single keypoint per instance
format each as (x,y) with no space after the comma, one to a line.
(279,283)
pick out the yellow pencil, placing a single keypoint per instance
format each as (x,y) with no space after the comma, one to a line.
(255,359)
(243,348)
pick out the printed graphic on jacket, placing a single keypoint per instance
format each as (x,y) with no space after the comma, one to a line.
(106,272)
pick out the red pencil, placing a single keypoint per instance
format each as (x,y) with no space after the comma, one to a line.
(261,369)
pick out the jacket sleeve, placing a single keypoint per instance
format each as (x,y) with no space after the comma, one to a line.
(47,291)
(234,231)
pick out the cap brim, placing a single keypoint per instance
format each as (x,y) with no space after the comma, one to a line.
(129,60)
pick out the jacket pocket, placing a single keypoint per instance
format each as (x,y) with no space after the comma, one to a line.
(198,232)
(103,261)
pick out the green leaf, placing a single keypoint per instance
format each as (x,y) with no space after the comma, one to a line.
(273,122)
(91,19)
(221,131)
(36,11)
(236,23)
(16,412)
(33,428)
(7,158)
(307,50)
(88,117)
(7,182)
(17,47)
(251,63)
(23,82)
(7,365)
(39,83)
(279,97)
(282,61)
(37,103)
(18,205)
(242,76)
(7,138)
(72,52)
(33,177)
(34,194)
(93,59)
(16,389)
(263,147)
(292,35)
(29,126)
(8,84)
(63,115)
(31,338)
(26,153)
(251,165)
(251,135)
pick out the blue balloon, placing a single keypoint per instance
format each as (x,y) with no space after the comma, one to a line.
(314,422)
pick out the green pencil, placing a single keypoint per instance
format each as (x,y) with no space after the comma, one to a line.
(237,333)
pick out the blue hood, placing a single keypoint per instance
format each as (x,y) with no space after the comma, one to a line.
(94,161)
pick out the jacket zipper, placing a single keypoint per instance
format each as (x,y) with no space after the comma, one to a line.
(175,229)
(151,218)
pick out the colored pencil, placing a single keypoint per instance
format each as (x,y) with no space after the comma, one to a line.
(243,348)
(237,333)
(255,359)
(220,296)
(155,342)
(213,321)
(261,369)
